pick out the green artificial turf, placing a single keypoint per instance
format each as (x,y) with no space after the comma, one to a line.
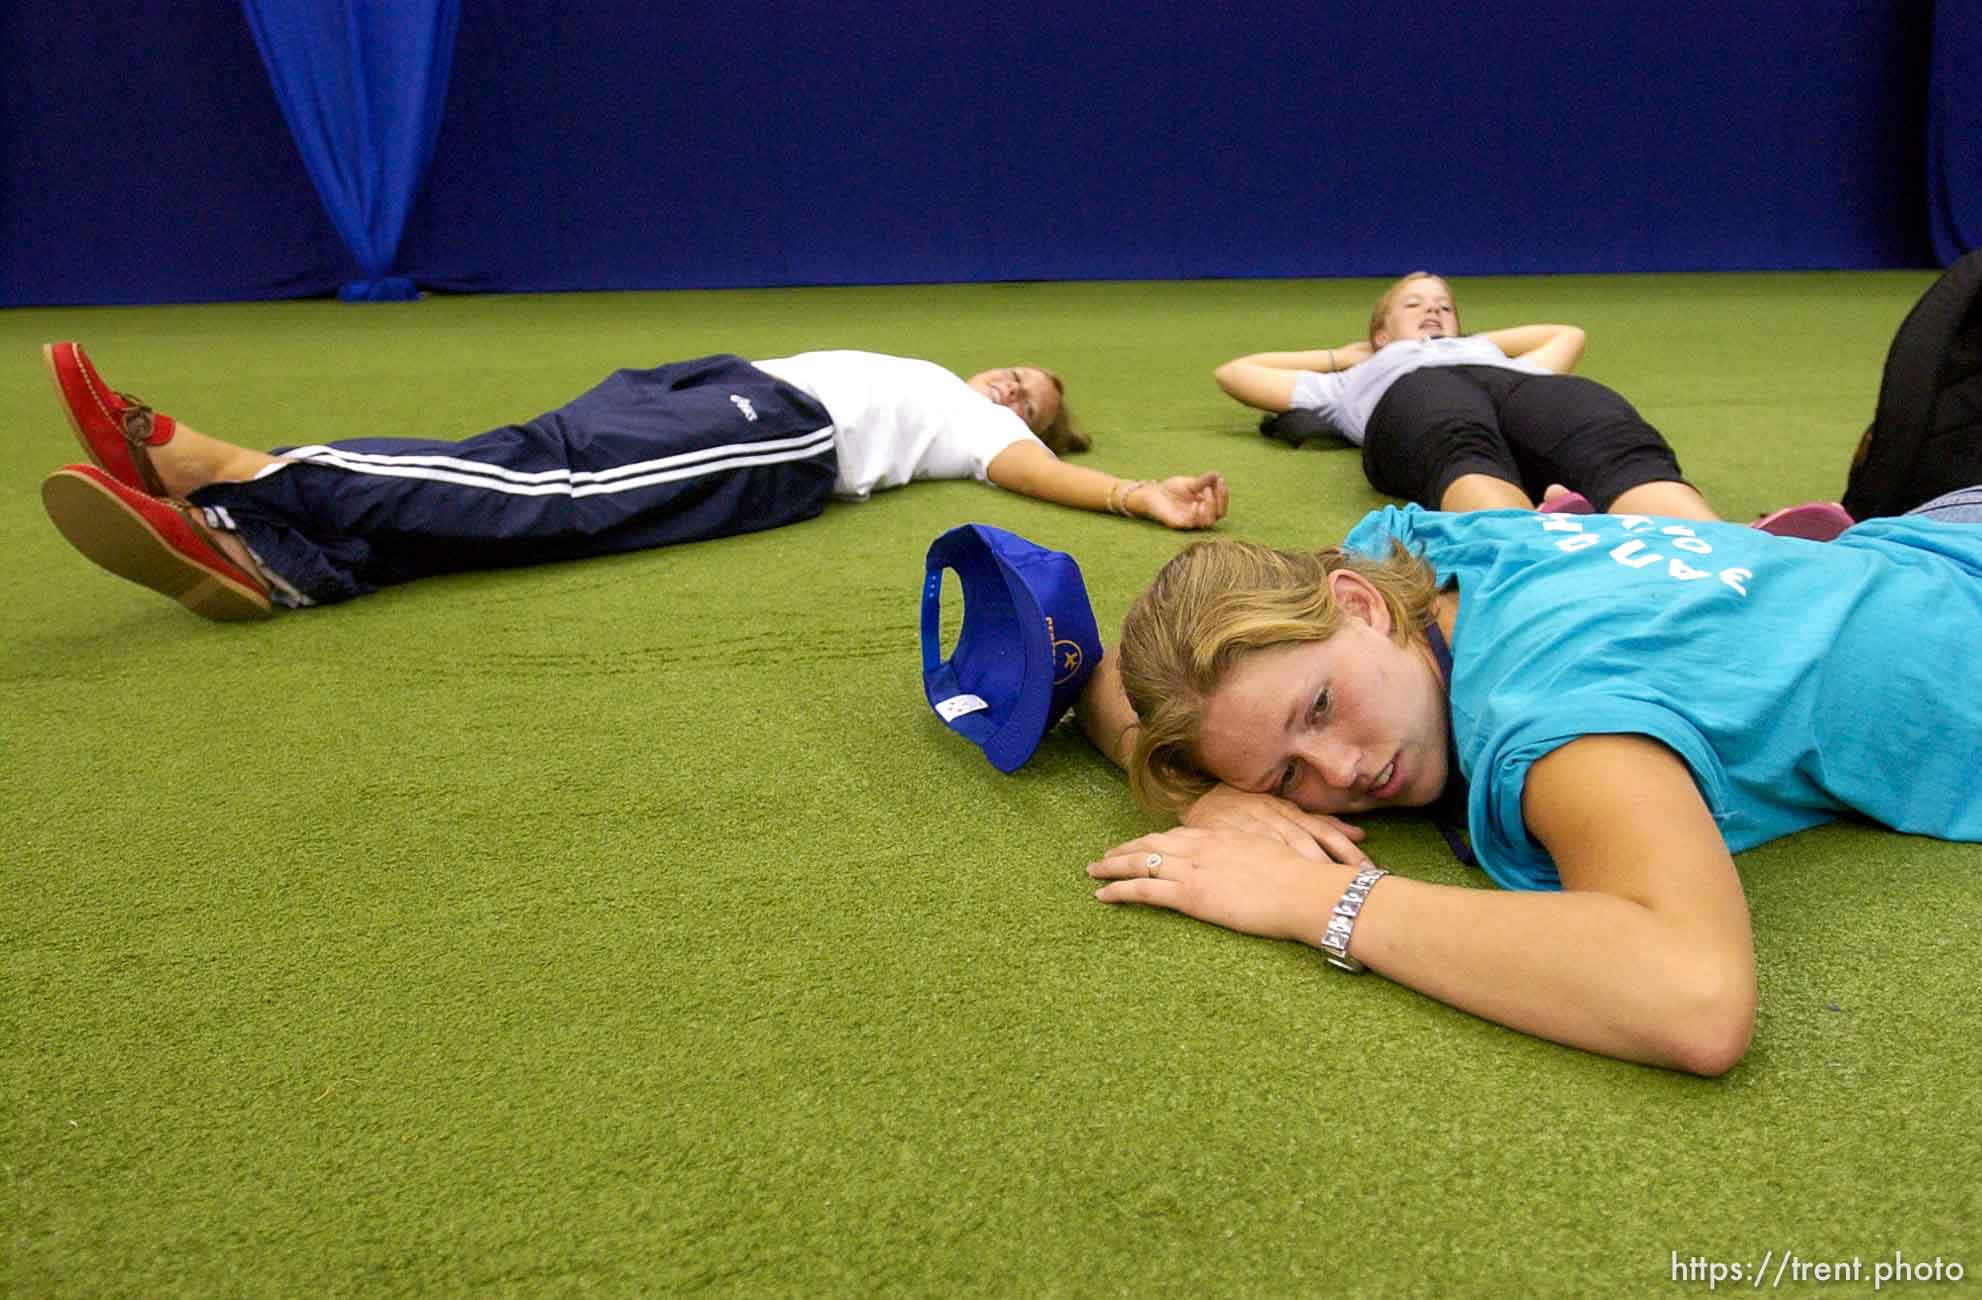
(632,927)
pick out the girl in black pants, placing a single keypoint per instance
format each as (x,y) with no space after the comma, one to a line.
(1485,421)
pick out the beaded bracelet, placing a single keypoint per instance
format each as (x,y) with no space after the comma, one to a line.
(1118,496)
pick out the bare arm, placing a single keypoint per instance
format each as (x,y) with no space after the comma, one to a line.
(1552,347)
(1645,955)
(1104,712)
(1186,501)
(1266,379)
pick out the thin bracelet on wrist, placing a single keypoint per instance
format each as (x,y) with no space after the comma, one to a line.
(1342,921)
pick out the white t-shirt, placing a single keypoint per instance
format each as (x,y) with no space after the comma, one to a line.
(896,419)
(1347,398)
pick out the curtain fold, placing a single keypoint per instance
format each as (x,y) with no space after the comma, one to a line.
(1954,131)
(362,84)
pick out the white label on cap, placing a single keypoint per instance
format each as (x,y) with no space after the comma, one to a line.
(957,705)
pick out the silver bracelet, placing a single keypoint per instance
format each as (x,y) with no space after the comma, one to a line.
(1342,923)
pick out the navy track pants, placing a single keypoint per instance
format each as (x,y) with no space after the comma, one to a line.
(698,449)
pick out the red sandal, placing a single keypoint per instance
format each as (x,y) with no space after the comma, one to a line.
(154,543)
(115,429)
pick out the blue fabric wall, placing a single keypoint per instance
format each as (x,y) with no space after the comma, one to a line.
(624,144)
(1954,130)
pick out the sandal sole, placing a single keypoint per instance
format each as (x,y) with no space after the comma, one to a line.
(121,541)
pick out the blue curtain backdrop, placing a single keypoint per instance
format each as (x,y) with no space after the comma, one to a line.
(1954,130)
(361,84)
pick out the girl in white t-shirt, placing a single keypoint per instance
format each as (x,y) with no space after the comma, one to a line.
(699,449)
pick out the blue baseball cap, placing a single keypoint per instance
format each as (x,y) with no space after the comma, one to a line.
(1027,645)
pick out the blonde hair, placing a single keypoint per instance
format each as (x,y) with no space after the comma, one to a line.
(1216,602)
(1062,437)
(1382,309)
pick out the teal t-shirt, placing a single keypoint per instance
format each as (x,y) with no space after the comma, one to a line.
(1797,680)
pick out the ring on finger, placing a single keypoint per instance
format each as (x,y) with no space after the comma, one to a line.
(1153,865)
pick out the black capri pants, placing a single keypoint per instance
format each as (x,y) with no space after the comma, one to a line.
(1442,422)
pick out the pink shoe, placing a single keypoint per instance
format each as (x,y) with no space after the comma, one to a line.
(154,543)
(1567,503)
(1816,521)
(114,428)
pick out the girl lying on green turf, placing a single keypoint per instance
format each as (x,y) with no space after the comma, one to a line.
(1484,421)
(700,449)
(1626,702)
